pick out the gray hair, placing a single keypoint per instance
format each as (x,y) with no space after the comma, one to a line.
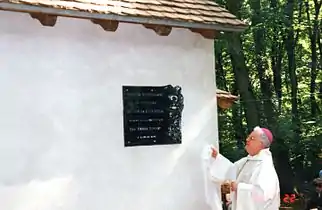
(264,139)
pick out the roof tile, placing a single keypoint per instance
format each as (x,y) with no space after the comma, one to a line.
(193,11)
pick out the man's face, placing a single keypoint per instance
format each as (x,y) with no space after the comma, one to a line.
(253,143)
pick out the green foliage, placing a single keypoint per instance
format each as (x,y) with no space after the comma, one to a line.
(297,128)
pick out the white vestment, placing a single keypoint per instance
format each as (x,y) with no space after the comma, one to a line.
(258,185)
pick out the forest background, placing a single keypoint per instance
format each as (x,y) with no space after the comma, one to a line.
(275,67)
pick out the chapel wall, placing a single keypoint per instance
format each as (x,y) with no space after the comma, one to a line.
(61,125)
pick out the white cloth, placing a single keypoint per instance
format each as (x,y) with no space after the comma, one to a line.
(258,185)
(215,171)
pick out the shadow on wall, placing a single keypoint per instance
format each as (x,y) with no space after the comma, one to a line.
(28,180)
(39,194)
(66,28)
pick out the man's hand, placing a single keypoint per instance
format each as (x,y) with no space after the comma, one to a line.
(233,186)
(214,152)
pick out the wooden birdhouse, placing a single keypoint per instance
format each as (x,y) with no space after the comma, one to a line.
(225,99)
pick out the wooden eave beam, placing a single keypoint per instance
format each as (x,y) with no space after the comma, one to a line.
(159,29)
(45,19)
(107,25)
(225,103)
(206,33)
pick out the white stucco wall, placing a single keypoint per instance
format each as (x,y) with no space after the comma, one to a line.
(61,131)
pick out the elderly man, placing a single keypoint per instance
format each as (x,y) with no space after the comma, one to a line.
(254,184)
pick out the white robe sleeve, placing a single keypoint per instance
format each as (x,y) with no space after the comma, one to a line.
(216,171)
(263,193)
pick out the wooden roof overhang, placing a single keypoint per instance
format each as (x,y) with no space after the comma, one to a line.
(200,16)
(225,99)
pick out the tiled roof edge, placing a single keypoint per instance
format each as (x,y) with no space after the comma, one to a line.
(140,20)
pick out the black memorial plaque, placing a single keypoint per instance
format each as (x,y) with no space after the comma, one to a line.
(152,115)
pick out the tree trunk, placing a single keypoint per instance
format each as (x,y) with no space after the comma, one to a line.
(240,71)
(320,91)
(276,60)
(320,43)
(220,73)
(242,80)
(238,118)
(261,63)
(313,35)
(290,45)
